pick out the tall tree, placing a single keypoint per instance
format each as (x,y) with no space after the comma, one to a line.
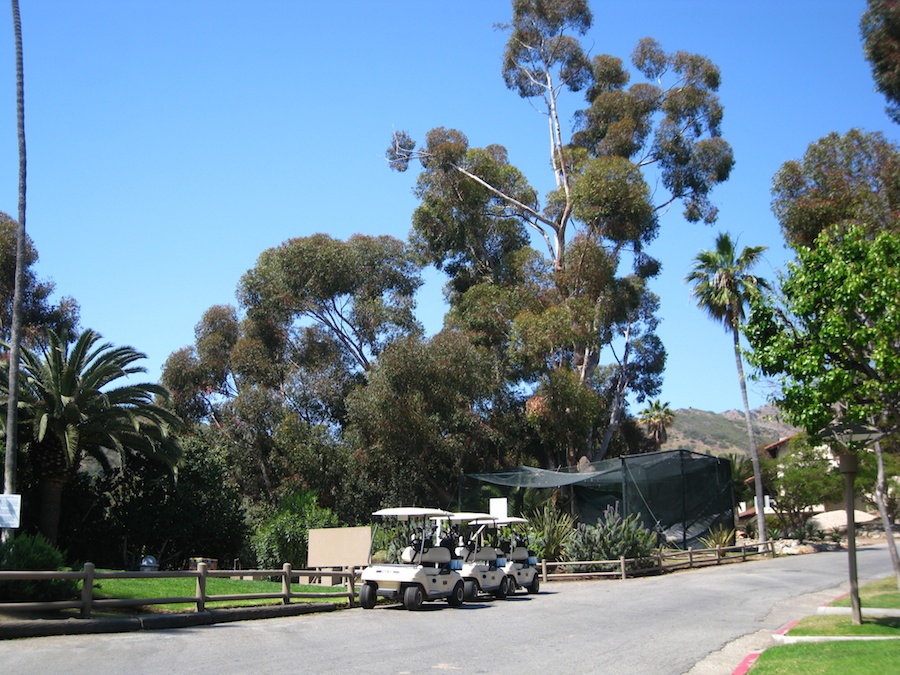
(476,206)
(73,405)
(361,291)
(657,417)
(880,27)
(723,285)
(832,337)
(9,466)
(842,179)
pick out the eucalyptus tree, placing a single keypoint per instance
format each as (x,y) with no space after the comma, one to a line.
(880,28)
(723,285)
(477,208)
(842,179)
(74,403)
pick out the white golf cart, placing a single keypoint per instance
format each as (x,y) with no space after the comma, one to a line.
(423,571)
(519,564)
(465,535)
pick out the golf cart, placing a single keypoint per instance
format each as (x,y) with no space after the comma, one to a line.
(519,564)
(465,535)
(422,571)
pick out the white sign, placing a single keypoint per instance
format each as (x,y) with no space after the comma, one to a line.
(498,507)
(10,511)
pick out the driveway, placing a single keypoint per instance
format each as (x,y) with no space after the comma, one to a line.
(701,622)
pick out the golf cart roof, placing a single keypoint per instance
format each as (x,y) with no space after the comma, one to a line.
(466,517)
(405,512)
(500,522)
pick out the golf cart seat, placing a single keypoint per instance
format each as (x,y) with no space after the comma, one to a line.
(487,554)
(519,554)
(409,555)
(437,555)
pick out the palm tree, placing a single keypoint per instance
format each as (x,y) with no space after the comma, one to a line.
(657,416)
(10,464)
(723,285)
(72,404)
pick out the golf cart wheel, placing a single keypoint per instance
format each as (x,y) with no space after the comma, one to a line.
(458,596)
(471,589)
(413,598)
(503,591)
(368,594)
(535,585)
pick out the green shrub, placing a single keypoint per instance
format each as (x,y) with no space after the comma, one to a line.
(611,538)
(33,552)
(284,537)
(550,532)
(720,536)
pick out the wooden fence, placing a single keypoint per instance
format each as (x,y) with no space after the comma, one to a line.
(665,559)
(88,603)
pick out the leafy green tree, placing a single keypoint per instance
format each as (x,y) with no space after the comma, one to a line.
(73,404)
(360,291)
(423,420)
(38,312)
(723,284)
(805,476)
(842,179)
(476,208)
(832,338)
(657,417)
(880,27)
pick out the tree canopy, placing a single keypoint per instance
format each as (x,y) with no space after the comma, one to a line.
(833,336)
(880,27)
(842,179)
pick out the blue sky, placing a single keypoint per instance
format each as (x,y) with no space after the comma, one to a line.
(171,142)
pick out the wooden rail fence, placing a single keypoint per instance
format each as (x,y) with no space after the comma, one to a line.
(88,603)
(665,559)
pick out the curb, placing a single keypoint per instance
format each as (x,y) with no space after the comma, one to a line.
(25,628)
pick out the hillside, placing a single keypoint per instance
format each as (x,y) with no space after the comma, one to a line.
(724,433)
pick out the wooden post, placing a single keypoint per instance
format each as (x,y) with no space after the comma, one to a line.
(544,570)
(87,590)
(622,563)
(286,584)
(690,557)
(201,587)
(718,553)
(351,585)
(743,553)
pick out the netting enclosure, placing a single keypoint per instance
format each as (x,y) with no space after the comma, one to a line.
(680,493)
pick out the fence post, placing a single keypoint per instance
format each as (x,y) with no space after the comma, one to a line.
(351,585)
(690,557)
(718,553)
(622,563)
(544,570)
(743,553)
(201,587)
(286,583)
(87,590)
(659,559)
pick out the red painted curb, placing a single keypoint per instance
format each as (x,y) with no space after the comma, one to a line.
(746,664)
(786,627)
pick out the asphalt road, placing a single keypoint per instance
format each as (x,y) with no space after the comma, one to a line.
(701,622)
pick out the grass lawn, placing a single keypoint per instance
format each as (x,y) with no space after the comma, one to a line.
(847,657)
(823,658)
(175,587)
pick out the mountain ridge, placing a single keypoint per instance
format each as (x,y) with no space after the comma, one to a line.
(725,433)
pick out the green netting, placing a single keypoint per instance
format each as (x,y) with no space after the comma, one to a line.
(680,494)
